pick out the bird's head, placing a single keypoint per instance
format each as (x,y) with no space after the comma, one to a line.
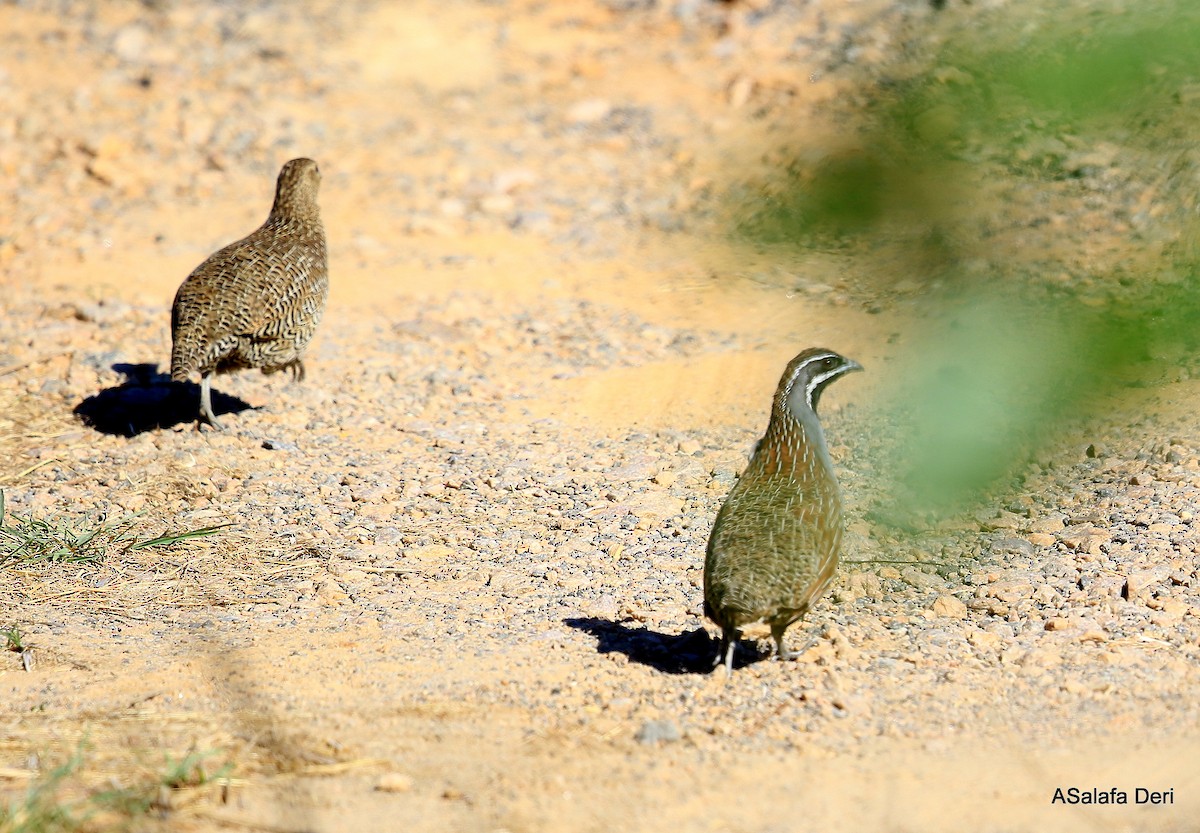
(296,189)
(807,376)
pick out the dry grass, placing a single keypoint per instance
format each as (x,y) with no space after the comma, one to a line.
(128,565)
(24,422)
(112,773)
(104,770)
(102,779)
(144,580)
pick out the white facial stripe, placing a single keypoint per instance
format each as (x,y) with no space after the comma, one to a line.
(820,379)
(799,371)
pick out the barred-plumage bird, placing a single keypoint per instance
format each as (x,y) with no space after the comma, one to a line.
(774,546)
(256,302)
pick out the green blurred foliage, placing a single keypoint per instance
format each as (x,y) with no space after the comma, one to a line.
(992,377)
(973,389)
(1111,69)
(1002,362)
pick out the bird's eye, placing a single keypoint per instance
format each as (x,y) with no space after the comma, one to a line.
(830,361)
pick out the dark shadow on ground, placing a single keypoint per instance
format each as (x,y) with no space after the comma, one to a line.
(693,652)
(148,400)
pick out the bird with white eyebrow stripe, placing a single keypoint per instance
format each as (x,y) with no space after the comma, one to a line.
(775,543)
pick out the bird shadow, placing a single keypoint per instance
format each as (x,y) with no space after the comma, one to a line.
(692,652)
(147,401)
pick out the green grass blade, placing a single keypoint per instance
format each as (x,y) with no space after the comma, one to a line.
(168,540)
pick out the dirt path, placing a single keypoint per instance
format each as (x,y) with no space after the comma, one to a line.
(460,585)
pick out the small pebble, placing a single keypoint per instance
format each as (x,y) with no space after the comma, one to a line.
(655,731)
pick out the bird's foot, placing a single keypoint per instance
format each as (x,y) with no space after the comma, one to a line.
(729,641)
(783,655)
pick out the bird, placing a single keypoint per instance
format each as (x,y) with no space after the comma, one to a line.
(256,303)
(775,542)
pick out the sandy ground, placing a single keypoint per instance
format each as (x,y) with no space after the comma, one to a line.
(460,586)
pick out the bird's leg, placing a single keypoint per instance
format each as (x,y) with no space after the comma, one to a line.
(729,640)
(206,408)
(777,629)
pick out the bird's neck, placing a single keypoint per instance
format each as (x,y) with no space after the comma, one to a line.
(292,217)
(794,445)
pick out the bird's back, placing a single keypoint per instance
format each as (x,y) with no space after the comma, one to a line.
(254,303)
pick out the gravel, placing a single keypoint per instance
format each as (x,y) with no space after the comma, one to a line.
(466,540)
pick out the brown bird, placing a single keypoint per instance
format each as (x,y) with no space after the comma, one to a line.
(774,546)
(256,302)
